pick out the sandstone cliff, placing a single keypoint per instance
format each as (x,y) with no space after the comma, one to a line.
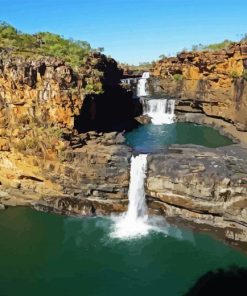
(48,163)
(211,82)
(206,186)
(44,104)
(47,97)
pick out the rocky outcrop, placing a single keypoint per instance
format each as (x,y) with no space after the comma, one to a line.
(48,163)
(49,92)
(85,179)
(44,159)
(196,184)
(206,186)
(210,82)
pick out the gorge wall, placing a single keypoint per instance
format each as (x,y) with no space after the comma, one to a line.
(202,185)
(212,82)
(59,151)
(44,157)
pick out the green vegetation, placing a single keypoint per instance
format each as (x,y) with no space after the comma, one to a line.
(244,37)
(162,57)
(212,47)
(44,44)
(39,140)
(234,74)
(137,69)
(178,77)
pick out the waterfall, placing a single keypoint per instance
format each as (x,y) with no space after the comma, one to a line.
(137,203)
(161,111)
(146,75)
(135,221)
(142,85)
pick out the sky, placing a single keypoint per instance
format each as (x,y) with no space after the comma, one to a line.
(132,31)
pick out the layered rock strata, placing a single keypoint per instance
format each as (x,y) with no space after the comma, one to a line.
(211,82)
(44,159)
(86,180)
(47,163)
(206,186)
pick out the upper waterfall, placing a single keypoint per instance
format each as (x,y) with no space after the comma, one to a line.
(146,75)
(142,85)
(161,111)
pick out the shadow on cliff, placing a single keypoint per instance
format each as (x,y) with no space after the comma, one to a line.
(114,110)
(221,282)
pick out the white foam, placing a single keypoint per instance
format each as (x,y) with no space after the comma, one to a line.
(134,222)
(161,111)
(142,85)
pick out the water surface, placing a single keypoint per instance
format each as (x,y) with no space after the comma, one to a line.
(45,254)
(151,138)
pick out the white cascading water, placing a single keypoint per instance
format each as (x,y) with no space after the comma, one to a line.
(134,222)
(161,111)
(142,85)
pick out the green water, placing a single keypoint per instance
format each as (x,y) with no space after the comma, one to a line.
(45,254)
(151,138)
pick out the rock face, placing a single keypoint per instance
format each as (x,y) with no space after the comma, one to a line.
(211,82)
(51,159)
(206,186)
(90,179)
(37,90)
(49,92)
(44,160)
(94,179)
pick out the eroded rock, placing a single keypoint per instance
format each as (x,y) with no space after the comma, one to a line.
(211,82)
(201,185)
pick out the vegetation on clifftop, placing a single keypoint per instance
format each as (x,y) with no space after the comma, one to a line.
(213,47)
(43,44)
(95,68)
(136,69)
(51,83)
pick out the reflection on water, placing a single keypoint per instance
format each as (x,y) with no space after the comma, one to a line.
(78,256)
(151,138)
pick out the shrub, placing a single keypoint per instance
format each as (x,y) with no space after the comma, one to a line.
(23,119)
(39,140)
(178,77)
(212,47)
(234,74)
(43,43)
(28,144)
(244,37)
(162,57)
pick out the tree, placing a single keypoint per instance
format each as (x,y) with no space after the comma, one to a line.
(244,37)
(100,49)
(162,57)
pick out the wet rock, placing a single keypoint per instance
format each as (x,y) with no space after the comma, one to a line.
(201,185)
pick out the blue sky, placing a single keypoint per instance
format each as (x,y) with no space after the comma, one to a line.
(132,31)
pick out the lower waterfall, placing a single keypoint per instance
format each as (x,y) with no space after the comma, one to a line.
(161,111)
(135,221)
